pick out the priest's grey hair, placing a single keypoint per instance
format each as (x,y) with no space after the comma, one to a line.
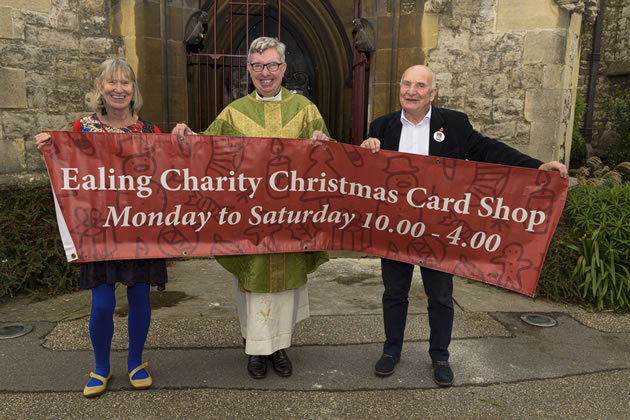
(262,44)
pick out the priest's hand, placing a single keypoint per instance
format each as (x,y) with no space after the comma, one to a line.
(181,130)
(319,135)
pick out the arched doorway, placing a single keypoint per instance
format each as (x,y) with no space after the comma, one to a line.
(318,57)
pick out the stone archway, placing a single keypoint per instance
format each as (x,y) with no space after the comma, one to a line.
(316,30)
(331,52)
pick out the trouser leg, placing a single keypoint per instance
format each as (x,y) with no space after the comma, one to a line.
(438,287)
(397,281)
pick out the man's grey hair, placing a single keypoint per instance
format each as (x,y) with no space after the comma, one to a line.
(433,83)
(262,44)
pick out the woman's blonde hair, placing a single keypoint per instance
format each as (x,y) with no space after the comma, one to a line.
(110,68)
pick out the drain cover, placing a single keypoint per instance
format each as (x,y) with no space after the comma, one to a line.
(14,330)
(539,320)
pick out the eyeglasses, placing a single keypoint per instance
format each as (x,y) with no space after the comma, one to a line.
(258,67)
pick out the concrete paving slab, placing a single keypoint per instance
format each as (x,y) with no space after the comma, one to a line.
(341,286)
(201,288)
(474,296)
(224,332)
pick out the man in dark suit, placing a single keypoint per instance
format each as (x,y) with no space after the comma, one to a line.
(420,128)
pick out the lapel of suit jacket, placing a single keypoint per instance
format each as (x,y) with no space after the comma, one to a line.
(392,132)
(437,122)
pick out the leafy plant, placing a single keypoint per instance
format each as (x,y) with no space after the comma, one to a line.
(32,258)
(619,111)
(556,280)
(578,150)
(595,173)
(601,224)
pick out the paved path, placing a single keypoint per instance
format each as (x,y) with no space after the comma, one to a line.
(504,367)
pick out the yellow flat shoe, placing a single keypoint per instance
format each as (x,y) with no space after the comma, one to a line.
(140,383)
(95,391)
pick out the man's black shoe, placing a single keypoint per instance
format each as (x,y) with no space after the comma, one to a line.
(257,366)
(281,363)
(385,365)
(442,373)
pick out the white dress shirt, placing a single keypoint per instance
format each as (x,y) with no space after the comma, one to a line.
(414,138)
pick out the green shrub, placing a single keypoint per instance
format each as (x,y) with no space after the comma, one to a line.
(619,111)
(578,150)
(32,258)
(556,280)
(600,223)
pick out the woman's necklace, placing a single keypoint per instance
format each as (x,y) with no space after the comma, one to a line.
(105,124)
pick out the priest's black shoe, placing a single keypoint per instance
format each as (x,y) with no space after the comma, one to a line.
(281,363)
(257,366)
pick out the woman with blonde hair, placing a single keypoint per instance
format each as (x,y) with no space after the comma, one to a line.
(117,102)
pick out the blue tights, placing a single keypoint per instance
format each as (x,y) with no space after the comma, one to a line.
(102,327)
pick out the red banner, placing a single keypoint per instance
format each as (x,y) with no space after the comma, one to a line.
(126,196)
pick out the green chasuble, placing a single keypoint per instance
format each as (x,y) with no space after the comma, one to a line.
(294,116)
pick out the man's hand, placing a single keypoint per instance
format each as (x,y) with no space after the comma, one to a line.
(372,143)
(181,130)
(555,166)
(41,140)
(319,135)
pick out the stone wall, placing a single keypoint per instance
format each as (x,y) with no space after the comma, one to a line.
(614,64)
(511,65)
(50,51)
(400,42)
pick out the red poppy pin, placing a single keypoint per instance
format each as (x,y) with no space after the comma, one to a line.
(439,136)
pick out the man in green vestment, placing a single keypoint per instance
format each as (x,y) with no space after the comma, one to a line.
(270,289)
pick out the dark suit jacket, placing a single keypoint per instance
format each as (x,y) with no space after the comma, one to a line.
(461,141)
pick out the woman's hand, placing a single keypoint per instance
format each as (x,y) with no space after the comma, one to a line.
(42,140)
